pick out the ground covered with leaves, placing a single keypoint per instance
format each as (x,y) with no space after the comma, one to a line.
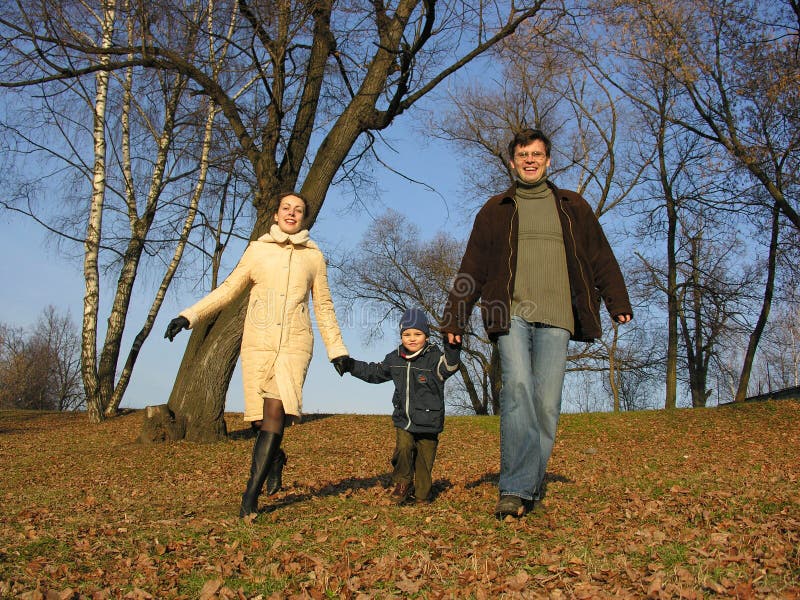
(659,504)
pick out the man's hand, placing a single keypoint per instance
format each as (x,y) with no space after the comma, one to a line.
(175,326)
(623,318)
(453,339)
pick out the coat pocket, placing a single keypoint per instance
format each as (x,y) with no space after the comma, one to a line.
(300,337)
(431,418)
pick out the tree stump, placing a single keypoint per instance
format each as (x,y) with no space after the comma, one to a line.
(161,425)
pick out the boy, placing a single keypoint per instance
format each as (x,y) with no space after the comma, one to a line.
(419,370)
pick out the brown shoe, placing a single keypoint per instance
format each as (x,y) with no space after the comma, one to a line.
(509,506)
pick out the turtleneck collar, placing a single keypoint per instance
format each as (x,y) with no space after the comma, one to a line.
(540,189)
(538,186)
(301,238)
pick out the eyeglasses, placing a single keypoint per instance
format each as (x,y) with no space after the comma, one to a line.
(534,155)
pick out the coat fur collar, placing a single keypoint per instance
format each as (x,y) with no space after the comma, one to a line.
(277,236)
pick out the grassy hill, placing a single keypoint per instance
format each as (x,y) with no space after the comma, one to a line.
(682,504)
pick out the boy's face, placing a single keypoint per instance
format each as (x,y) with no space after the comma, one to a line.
(413,339)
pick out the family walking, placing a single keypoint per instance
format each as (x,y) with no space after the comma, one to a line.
(538,261)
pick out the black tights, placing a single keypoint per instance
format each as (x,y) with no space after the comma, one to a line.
(274,417)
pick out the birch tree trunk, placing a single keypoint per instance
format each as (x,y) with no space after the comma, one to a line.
(94,226)
(124,379)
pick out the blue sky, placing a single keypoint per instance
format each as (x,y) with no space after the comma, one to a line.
(35,276)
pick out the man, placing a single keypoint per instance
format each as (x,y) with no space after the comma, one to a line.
(540,262)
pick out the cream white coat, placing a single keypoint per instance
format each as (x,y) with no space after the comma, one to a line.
(277,342)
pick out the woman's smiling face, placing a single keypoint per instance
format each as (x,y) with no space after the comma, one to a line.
(291,214)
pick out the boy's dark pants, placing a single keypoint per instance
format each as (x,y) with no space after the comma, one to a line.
(413,458)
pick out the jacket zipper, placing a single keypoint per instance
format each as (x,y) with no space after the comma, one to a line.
(580,265)
(510,257)
(408,395)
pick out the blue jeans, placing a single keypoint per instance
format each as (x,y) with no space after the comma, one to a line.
(533,360)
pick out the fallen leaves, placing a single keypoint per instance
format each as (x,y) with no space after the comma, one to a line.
(684,504)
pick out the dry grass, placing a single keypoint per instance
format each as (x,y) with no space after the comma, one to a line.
(682,504)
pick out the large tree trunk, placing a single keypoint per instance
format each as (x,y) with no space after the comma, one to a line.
(210,358)
(196,405)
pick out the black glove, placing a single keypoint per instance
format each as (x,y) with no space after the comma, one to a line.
(343,364)
(447,344)
(175,326)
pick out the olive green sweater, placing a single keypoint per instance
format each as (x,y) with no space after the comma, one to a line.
(541,287)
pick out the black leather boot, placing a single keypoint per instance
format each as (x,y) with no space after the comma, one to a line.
(264,450)
(275,476)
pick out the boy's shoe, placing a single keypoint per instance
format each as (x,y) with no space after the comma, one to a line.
(402,492)
(509,505)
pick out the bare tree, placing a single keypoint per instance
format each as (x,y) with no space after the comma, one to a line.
(23,371)
(150,154)
(711,299)
(669,174)
(698,69)
(674,183)
(780,367)
(544,84)
(94,224)
(635,383)
(716,55)
(40,368)
(58,334)
(766,305)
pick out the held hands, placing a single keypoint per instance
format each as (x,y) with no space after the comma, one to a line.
(343,364)
(452,341)
(175,326)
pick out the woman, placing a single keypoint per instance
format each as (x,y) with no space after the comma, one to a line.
(282,267)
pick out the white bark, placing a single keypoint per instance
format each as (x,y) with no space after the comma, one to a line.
(125,375)
(199,188)
(94,226)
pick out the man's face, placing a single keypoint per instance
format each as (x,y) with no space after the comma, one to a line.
(530,162)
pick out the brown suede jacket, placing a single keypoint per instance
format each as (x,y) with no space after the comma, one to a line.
(490,263)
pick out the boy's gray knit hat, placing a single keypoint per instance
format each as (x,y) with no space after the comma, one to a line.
(414,318)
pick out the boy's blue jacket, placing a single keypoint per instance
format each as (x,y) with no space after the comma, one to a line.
(418,384)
